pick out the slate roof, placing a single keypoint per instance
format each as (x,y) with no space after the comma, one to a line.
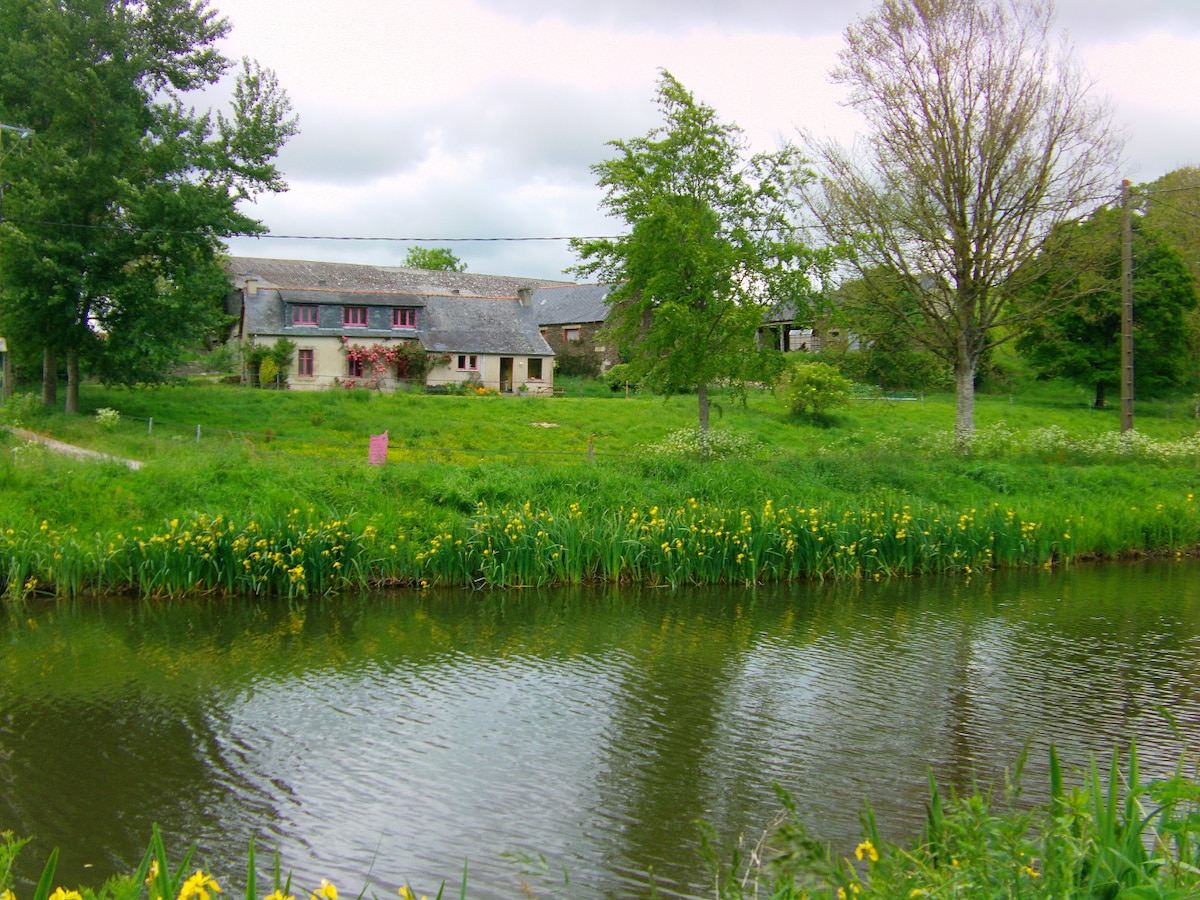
(473,325)
(571,304)
(300,274)
(447,323)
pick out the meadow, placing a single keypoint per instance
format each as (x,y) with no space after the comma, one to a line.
(263,492)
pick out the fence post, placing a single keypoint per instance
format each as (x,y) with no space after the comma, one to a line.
(197,434)
(150,425)
(591,448)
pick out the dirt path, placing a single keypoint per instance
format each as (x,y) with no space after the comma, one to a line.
(70,449)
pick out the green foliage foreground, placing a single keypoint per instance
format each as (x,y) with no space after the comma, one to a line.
(1114,838)
(1111,838)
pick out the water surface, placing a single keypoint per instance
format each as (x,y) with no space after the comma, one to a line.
(385,739)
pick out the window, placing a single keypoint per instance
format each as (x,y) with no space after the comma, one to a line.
(305,315)
(544,331)
(354,316)
(304,363)
(535,369)
(571,334)
(354,368)
(404,317)
(467,363)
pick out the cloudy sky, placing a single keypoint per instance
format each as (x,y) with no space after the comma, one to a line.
(480,118)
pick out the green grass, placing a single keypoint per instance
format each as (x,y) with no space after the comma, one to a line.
(461,465)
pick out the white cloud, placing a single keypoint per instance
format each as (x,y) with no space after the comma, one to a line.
(462,118)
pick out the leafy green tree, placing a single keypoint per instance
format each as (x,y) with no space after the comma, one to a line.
(888,355)
(437,259)
(1082,341)
(711,243)
(111,244)
(1172,205)
(983,138)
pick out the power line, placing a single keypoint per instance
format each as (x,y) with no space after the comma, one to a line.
(1178,209)
(129,229)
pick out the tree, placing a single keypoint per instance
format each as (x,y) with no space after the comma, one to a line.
(983,140)
(711,243)
(1172,205)
(111,248)
(437,259)
(1082,341)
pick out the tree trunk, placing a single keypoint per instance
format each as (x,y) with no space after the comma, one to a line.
(964,402)
(702,392)
(1101,402)
(49,377)
(72,381)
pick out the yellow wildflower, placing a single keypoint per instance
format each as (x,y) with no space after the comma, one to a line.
(62,893)
(325,892)
(279,895)
(197,886)
(867,849)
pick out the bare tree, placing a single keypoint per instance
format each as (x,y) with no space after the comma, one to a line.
(983,138)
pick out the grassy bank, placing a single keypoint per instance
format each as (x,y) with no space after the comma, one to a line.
(255,491)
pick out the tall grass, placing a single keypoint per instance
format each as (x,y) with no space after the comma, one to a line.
(301,552)
(1113,837)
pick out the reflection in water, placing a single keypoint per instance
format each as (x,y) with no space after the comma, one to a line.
(392,738)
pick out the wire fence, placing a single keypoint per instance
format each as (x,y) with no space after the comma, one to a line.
(180,431)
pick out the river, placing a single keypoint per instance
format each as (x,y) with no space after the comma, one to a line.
(569,740)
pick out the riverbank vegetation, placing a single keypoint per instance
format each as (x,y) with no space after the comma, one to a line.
(253,492)
(1109,837)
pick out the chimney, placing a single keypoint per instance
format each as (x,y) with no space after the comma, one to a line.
(250,288)
(525,295)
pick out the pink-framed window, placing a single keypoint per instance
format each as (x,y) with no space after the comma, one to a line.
(354,316)
(306,315)
(304,363)
(404,317)
(535,368)
(354,368)
(468,362)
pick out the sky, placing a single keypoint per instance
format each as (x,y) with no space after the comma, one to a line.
(481,118)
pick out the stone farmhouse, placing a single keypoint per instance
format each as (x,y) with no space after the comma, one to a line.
(476,328)
(570,317)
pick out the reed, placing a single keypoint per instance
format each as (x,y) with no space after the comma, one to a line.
(1109,837)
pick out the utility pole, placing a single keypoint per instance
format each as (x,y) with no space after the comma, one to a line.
(6,379)
(1126,308)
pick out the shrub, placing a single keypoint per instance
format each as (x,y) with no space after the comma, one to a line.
(21,409)
(620,375)
(712,444)
(814,386)
(108,418)
(268,369)
(583,363)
